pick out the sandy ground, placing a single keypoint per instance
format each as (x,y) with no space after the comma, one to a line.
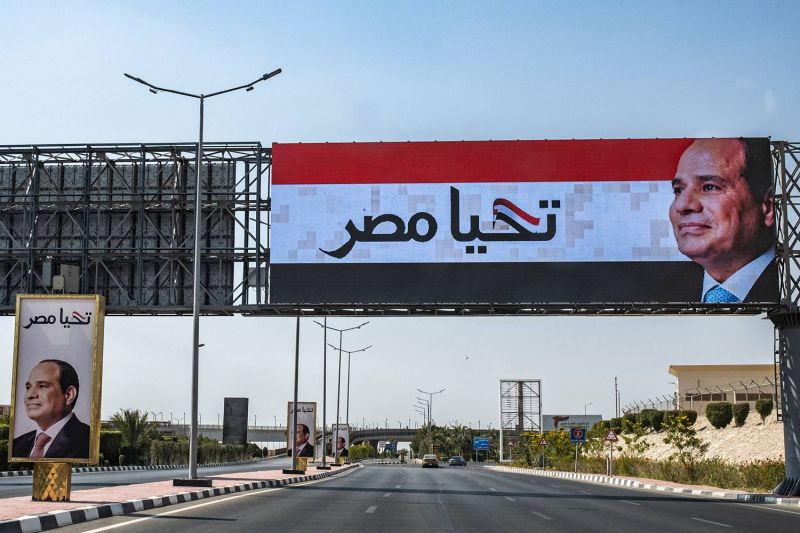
(753,440)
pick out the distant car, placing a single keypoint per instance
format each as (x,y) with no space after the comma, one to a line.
(430,460)
(457,460)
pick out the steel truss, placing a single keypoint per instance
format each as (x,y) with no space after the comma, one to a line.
(123,214)
(520,409)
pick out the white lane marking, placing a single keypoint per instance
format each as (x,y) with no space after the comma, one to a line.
(630,502)
(710,522)
(760,506)
(493,490)
(509,498)
(387,494)
(211,502)
(397,486)
(556,486)
(584,492)
(371,509)
(542,516)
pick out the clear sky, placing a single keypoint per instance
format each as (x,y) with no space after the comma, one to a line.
(391,71)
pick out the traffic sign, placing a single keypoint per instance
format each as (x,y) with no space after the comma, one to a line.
(480,443)
(543,442)
(611,436)
(577,435)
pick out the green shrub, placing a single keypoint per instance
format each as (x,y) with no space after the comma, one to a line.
(602,425)
(3,431)
(3,455)
(657,420)
(690,415)
(645,417)
(719,414)
(740,412)
(669,414)
(360,451)
(628,420)
(110,443)
(616,424)
(764,408)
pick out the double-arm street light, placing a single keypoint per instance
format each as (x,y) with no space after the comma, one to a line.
(585,407)
(349,354)
(430,412)
(326,327)
(196,270)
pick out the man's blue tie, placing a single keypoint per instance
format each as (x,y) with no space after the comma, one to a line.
(718,295)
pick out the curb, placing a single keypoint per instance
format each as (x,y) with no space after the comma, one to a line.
(81,469)
(623,482)
(52,520)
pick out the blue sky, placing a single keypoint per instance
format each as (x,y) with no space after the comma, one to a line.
(388,71)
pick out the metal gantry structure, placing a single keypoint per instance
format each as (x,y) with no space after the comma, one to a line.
(117,220)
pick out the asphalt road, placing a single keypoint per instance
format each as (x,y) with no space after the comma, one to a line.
(472,499)
(21,486)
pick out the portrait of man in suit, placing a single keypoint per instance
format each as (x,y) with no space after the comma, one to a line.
(723,218)
(302,446)
(341,449)
(51,391)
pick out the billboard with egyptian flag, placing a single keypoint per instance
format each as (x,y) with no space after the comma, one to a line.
(515,222)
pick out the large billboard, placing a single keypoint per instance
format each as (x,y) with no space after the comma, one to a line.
(57,379)
(551,222)
(234,420)
(556,422)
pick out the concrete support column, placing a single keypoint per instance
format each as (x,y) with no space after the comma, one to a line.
(788,324)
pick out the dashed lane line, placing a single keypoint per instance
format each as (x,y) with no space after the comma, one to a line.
(493,490)
(509,498)
(584,492)
(711,522)
(387,494)
(371,509)
(208,502)
(630,502)
(541,515)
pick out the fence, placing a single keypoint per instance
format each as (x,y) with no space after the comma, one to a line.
(696,398)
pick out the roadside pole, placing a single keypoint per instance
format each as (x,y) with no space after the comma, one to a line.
(576,458)
(611,438)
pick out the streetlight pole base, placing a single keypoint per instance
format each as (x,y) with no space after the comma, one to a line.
(323,468)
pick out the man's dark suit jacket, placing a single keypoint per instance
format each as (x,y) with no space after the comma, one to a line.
(343,452)
(71,441)
(306,451)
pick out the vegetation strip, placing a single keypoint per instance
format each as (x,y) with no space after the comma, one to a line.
(83,469)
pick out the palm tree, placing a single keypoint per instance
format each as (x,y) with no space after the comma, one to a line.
(136,432)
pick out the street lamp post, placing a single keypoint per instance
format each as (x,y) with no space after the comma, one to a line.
(349,354)
(338,382)
(585,407)
(430,412)
(196,270)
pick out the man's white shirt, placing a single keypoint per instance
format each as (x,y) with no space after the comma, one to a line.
(740,283)
(51,432)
